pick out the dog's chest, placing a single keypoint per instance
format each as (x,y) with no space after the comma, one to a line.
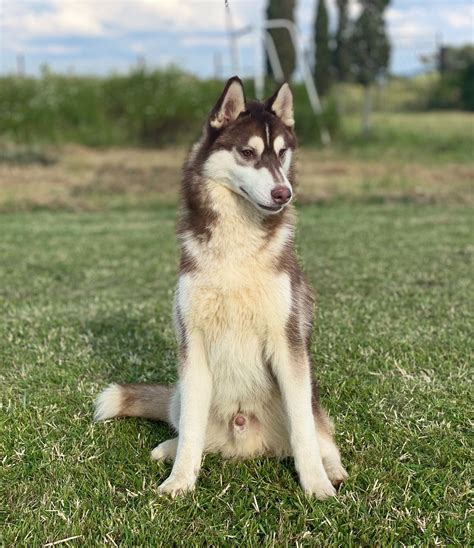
(237,301)
(236,293)
(237,307)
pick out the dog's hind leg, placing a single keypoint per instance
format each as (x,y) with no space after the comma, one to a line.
(330,456)
(329,452)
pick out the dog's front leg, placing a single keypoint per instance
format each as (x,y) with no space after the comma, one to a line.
(292,369)
(195,388)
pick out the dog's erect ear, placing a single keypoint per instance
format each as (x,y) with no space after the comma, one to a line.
(281,104)
(230,104)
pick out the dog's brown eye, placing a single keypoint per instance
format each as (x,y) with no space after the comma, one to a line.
(247,153)
(282,152)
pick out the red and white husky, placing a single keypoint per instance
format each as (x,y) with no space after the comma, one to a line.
(243,309)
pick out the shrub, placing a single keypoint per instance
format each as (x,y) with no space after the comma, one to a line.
(159,107)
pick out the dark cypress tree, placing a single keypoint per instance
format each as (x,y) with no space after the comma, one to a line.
(322,58)
(370,50)
(341,60)
(282,9)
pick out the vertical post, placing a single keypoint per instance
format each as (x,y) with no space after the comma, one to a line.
(273,58)
(234,52)
(20,64)
(366,111)
(141,61)
(217,65)
(259,71)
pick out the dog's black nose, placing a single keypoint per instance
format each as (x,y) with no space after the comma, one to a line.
(281,194)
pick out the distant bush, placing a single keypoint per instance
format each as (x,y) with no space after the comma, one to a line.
(454,91)
(159,107)
(455,88)
(467,87)
(446,94)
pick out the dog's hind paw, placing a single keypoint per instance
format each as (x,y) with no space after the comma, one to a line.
(166,450)
(336,473)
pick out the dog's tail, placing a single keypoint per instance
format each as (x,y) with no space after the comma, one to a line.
(150,401)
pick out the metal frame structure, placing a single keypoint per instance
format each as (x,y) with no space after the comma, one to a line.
(263,37)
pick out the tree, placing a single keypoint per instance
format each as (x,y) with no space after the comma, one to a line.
(282,9)
(452,59)
(455,87)
(341,60)
(322,59)
(370,50)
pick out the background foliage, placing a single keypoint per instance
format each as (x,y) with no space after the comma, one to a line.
(164,107)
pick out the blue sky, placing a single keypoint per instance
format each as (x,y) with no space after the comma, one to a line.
(101,36)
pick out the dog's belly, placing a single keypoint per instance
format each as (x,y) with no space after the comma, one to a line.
(241,379)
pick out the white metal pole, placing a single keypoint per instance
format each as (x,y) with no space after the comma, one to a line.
(234,50)
(259,70)
(273,57)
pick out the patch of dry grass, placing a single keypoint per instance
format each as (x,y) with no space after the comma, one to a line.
(326,176)
(87,179)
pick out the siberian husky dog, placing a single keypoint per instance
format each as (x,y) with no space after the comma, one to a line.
(242,311)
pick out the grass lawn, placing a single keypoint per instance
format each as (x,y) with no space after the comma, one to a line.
(85,299)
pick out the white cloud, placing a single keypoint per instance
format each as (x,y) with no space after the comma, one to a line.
(411,26)
(30,19)
(462,18)
(52,50)
(34,18)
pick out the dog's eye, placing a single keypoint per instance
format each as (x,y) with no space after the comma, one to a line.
(282,152)
(247,153)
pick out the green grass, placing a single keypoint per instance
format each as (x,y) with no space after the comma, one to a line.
(423,137)
(85,299)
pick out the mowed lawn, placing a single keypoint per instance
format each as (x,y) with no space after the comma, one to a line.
(85,299)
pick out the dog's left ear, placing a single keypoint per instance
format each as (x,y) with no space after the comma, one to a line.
(229,105)
(281,104)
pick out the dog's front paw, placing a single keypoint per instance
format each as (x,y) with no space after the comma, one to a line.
(317,485)
(177,484)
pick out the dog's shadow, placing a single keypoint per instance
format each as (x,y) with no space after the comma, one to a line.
(133,349)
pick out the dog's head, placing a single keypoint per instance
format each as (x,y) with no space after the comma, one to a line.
(251,146)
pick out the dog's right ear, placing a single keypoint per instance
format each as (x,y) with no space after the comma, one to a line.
(230,104)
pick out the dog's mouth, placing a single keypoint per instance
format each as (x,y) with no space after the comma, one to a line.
(273,209)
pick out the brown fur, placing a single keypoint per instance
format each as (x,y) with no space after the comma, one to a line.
(150,401)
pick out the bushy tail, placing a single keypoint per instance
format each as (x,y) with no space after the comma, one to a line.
(150,401)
